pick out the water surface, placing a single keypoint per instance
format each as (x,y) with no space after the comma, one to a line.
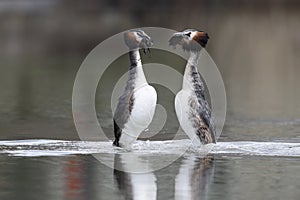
(56,169)
(190,177)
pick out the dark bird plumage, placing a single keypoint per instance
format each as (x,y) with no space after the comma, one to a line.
(125,128)
(192,108)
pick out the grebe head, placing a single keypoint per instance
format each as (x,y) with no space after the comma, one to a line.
(189,39)
(137,39)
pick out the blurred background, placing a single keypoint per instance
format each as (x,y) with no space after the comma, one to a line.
(255,44)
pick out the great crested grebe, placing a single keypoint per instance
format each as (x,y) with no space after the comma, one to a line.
(136,105)
(192,109)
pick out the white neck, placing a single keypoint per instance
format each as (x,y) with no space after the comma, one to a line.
(187,83)
(135,59)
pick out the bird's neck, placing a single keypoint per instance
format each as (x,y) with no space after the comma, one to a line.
(136,73)
(190,69)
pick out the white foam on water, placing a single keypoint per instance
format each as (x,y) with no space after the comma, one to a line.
(37,148)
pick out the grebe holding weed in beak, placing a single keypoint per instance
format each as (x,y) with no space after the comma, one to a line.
(136,105)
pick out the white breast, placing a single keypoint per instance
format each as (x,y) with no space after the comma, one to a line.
(182,109)
(141,115)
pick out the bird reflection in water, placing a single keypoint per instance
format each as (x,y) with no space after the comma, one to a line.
(194,178)
(132,179)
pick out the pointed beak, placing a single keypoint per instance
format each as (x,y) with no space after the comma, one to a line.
(147,43)
(176,39)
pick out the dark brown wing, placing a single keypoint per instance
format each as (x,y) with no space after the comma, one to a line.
(122,114)
(200,117)
(200,112)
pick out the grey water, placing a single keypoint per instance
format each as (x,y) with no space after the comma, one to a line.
(84,177)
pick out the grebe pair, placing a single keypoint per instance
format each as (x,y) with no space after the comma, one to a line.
(136,105)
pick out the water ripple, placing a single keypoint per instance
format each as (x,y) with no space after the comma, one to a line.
(37,148)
